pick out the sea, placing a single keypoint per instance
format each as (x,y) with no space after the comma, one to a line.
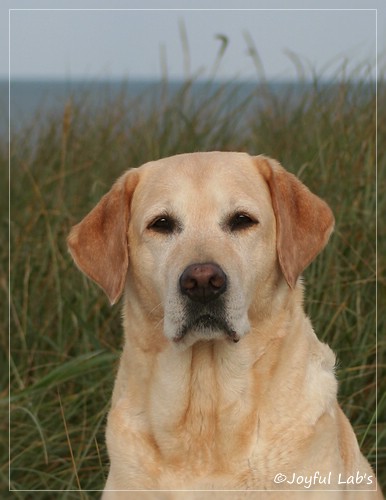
(23,102)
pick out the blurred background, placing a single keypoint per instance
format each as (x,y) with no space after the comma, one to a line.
(54,53)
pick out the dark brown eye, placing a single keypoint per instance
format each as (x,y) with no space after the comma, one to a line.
(241,221)
(164,225)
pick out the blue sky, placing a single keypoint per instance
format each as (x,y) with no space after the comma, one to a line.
(132,44)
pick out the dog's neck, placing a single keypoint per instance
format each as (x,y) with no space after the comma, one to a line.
(209,396)
(146,347)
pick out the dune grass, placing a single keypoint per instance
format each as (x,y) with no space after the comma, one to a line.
(65,339)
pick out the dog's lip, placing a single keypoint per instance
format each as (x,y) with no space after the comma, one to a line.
(210,320)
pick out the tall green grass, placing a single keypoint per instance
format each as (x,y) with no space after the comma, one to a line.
(65,339)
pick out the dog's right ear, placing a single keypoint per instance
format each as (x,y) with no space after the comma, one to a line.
(99,243)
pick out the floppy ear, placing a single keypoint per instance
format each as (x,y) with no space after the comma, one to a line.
(99,245)
(304,222)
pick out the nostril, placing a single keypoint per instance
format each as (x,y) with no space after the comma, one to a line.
(218,280)
(203,282)
(189,283)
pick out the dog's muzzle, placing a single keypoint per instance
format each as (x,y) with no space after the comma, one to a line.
(204,285)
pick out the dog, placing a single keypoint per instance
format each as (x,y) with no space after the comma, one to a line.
(223,389)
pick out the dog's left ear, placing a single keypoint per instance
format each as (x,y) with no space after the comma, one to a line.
(304,222)
(99,244)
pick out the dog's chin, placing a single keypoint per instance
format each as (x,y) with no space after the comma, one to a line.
(205,328)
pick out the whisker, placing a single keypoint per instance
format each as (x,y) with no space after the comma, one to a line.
(155,308)
(159,323)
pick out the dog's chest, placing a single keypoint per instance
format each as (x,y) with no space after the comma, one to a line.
(202,412)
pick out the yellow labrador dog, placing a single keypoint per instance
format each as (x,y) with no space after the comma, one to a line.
(222,383)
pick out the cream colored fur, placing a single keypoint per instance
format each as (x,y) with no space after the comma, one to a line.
(203,412)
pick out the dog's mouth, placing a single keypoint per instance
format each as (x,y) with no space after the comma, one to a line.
(206,325)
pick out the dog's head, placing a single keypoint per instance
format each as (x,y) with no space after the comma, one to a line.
(202,240)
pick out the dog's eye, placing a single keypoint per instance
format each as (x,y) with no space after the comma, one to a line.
(241,221)
(163,225)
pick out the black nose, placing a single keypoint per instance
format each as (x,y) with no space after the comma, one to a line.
(203,282)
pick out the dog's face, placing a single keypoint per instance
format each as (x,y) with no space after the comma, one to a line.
(204,235)
(202,241)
